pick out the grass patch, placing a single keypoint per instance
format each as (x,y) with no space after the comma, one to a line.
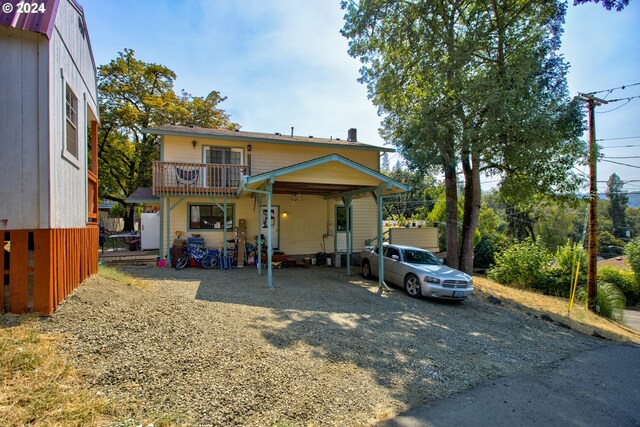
(37,386)
(580,318)
(118,275)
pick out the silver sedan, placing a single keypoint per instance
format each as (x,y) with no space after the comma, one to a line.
(419,271)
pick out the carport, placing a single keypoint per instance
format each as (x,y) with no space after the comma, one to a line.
(332,177)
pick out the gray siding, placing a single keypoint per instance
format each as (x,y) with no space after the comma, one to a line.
(40,187)
(70,63)
(23,130)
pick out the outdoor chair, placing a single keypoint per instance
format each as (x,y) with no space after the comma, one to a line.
(187,177)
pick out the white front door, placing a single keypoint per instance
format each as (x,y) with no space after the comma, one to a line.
(274,217)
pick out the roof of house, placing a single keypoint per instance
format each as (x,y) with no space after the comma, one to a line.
(277,138)
(143,195)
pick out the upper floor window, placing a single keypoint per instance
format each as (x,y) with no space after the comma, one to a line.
(71,113)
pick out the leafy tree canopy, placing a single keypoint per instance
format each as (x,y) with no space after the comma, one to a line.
(134,95)
(607,4)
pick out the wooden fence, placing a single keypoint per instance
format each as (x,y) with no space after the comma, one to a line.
(42,267)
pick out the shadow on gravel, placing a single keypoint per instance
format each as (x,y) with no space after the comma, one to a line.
(415,348)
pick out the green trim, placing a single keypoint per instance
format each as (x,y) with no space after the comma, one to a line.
(241,137)
(320,161)
(206,230)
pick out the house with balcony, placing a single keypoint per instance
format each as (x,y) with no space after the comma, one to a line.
(302,193)
(48,146)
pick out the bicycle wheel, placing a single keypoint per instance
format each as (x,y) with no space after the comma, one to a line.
(215,260)
(182,261)
(207,262)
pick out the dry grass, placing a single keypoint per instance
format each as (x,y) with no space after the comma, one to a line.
(579,319)
(123,277)
(37,386)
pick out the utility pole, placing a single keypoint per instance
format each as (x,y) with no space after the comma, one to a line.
(592,271)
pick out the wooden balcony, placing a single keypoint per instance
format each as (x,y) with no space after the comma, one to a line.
(196,179)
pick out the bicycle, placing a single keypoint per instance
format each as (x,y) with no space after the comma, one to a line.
(200,255)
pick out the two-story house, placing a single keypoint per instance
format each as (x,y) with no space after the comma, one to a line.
(48,178)
(304,194)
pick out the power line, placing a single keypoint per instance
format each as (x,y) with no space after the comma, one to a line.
(629,98)
(617,139)
(615,88)
(614,109)
(622,157)
(620,163)
(623,146)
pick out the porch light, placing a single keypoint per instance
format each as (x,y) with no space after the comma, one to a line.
(194,143)
(284,214)
(249,147)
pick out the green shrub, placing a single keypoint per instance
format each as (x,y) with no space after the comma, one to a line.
(563,270)
(487,249)
(632,250)
(623,280)
(610,301)
(523,264)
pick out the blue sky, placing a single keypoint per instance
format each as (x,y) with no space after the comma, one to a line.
(283,63)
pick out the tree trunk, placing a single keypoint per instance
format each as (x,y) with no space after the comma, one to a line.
(129,216)
(471,169)
(451,210)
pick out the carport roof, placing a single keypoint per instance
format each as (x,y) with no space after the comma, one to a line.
(325,176)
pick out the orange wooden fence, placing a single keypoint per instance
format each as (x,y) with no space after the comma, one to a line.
(42,267)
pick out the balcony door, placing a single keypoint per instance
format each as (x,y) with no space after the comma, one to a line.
(223,176)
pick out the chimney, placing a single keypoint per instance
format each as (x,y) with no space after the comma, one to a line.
(352,135)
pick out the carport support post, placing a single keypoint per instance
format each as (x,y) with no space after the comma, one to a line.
(347,203)
(259,230)
(380,247)
(224,228)
(269,242)
(168,216)
(161,242)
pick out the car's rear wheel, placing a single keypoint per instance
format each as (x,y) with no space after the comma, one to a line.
(412,285)
(366,269)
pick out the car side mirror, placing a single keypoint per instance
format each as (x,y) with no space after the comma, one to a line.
(395,257)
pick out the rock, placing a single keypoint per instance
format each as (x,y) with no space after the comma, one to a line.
(494,300)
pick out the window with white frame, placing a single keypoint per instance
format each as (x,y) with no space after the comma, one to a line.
(71,113)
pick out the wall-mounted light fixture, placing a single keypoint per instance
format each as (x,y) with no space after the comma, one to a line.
(284,214)
(194,143)
(249,147)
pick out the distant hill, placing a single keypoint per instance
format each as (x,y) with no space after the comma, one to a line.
(634,199)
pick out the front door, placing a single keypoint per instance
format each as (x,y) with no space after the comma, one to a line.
(274,217)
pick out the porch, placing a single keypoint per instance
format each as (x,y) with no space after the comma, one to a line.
(197,179)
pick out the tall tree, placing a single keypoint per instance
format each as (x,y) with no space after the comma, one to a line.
(135,95)
(473,86)
(618,199)
(607,4)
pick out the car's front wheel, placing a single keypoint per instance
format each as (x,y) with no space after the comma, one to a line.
(366,269)
(412,285)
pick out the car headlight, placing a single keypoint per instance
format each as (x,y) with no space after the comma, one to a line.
(430,279)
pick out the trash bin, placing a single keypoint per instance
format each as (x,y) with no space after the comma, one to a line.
(321,258)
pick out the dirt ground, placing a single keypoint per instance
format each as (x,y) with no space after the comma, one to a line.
(321,348)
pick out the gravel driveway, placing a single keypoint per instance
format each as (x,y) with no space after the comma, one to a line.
(219,348)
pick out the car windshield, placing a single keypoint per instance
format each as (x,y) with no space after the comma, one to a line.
(413,256)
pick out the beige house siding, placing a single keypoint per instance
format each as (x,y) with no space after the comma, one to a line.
(309,221)
(265,157)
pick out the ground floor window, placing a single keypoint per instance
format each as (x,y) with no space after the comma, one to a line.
(210,217)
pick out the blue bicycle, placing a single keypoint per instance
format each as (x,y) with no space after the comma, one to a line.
(201,256)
